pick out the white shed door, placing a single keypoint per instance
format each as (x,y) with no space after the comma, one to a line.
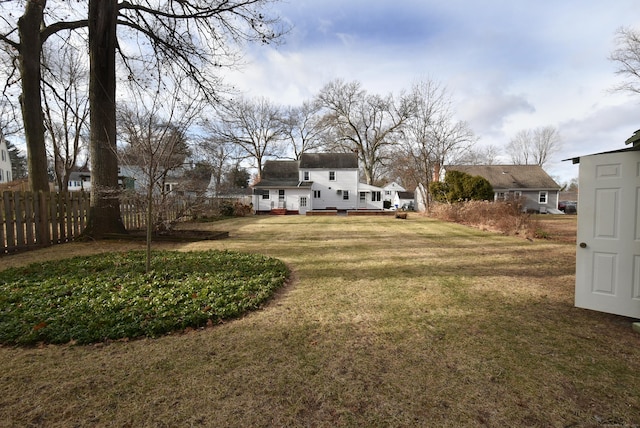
(608,250)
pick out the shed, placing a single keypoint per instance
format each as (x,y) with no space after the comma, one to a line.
(608,239)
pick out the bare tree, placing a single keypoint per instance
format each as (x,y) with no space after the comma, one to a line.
(66,108)
(485,155)
(153,130)
(519,147)
(220,156)
(432,136)
(253,125)
(189,38)
(534,147)
(547,141)
(368,124)
(303,128)
(23,40)
(626,55)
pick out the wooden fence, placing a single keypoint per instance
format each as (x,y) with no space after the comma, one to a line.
(36,219)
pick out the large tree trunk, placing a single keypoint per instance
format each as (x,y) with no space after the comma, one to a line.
(30,99)
(104,213)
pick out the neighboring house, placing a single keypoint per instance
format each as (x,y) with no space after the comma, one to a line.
(79,181)
(5,162)
(133,177)
(538,190)
(404,200)
(318,181)
(391,191)
(608,254)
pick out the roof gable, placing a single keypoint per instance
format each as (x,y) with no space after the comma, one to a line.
(329,161)
(510,176)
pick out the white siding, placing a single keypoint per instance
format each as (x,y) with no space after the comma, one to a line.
(291,201)
(332,191)
(5,163)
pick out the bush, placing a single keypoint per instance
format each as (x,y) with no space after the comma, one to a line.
(459,186)
(235,209)
(109,296)
(505,217)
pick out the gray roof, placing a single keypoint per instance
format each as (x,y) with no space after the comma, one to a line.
(285,173)
(279,173)
(510,176)
(329,160)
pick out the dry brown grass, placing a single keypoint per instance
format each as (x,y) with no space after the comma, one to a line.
(388,323)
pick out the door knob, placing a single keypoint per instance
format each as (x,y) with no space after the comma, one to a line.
(583,245)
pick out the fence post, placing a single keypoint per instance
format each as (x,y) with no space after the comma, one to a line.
(43,230)
(6,227)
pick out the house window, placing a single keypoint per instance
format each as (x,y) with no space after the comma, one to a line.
(316,194)
(168,187)
(517,194)
(281,195)
(332,176)
(543,196)
(265,194)
(363,196)
(4,156)
(376,196)
(8,176)
(1,175)
(345,195)
(303,202)
(499,196)
(305,176)
(387,192)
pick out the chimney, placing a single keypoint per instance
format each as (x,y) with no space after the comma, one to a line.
(436,172)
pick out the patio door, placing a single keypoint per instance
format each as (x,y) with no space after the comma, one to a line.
(608,250)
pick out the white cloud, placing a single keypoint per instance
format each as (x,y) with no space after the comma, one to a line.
(509,65)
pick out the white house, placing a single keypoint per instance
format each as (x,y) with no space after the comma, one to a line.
(5,162)
(318,181)
(391,191)
(79,181)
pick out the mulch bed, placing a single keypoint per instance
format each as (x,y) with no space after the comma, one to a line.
(171,236)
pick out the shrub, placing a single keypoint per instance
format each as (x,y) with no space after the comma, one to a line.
(235,209)
(459,186)
(505,217)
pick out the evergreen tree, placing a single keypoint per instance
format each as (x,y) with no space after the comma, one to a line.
(459,186)
(18,162)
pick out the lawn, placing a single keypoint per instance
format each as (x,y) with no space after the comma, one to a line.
(386,323)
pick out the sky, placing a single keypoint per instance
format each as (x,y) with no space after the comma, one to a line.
(509,65)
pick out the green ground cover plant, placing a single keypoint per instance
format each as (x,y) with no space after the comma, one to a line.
(109,296)
(384,323)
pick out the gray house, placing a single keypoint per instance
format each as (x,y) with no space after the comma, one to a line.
(531,182)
